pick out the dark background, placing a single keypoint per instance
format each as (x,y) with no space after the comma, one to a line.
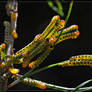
(33,18)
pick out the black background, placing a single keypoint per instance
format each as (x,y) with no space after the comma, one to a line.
(33,18)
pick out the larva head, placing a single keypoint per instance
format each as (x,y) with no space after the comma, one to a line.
(62,22)
(71,32)
(40,85)
(37,37)
(3,45)
(14,71)
(52,41)
(14,34)
(26,53)
(24,65)
(25,62)
(76,34)
(43,87)
(75,26)
(60,25)
(32,64)
(55,19)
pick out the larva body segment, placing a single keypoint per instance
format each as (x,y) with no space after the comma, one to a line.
(8,37)
(79,57)
(13,70)
(80,60)
(50,26)
(12,8)
(2,51)
(72,35)
(57,28)
(32,53)
(26,61)
(67,33)
(40,59)
(29,46)
(34,83)
(52,41)
(15,59)
(14,16)
(69,29)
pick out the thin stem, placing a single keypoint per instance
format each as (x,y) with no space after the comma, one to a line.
(30,73)
(66,19)
(69,12)
(30,81)
(51,85)
(82,84)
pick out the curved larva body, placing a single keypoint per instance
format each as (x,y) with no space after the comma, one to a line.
(14,16)
(72,27)
(57,28)
(40,37)
(29,46)
(35,83)
(72,35)
(50,26)
(12,8)
(80,60)
(40,59)
(35,52)
(2,51)
(81,57)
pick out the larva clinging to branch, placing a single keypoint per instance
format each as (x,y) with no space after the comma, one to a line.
(79,60)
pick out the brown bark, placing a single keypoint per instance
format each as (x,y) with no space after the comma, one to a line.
(3,85)
(3,81)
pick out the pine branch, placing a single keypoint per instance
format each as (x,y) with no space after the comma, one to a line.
(58,9)
(44,85)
